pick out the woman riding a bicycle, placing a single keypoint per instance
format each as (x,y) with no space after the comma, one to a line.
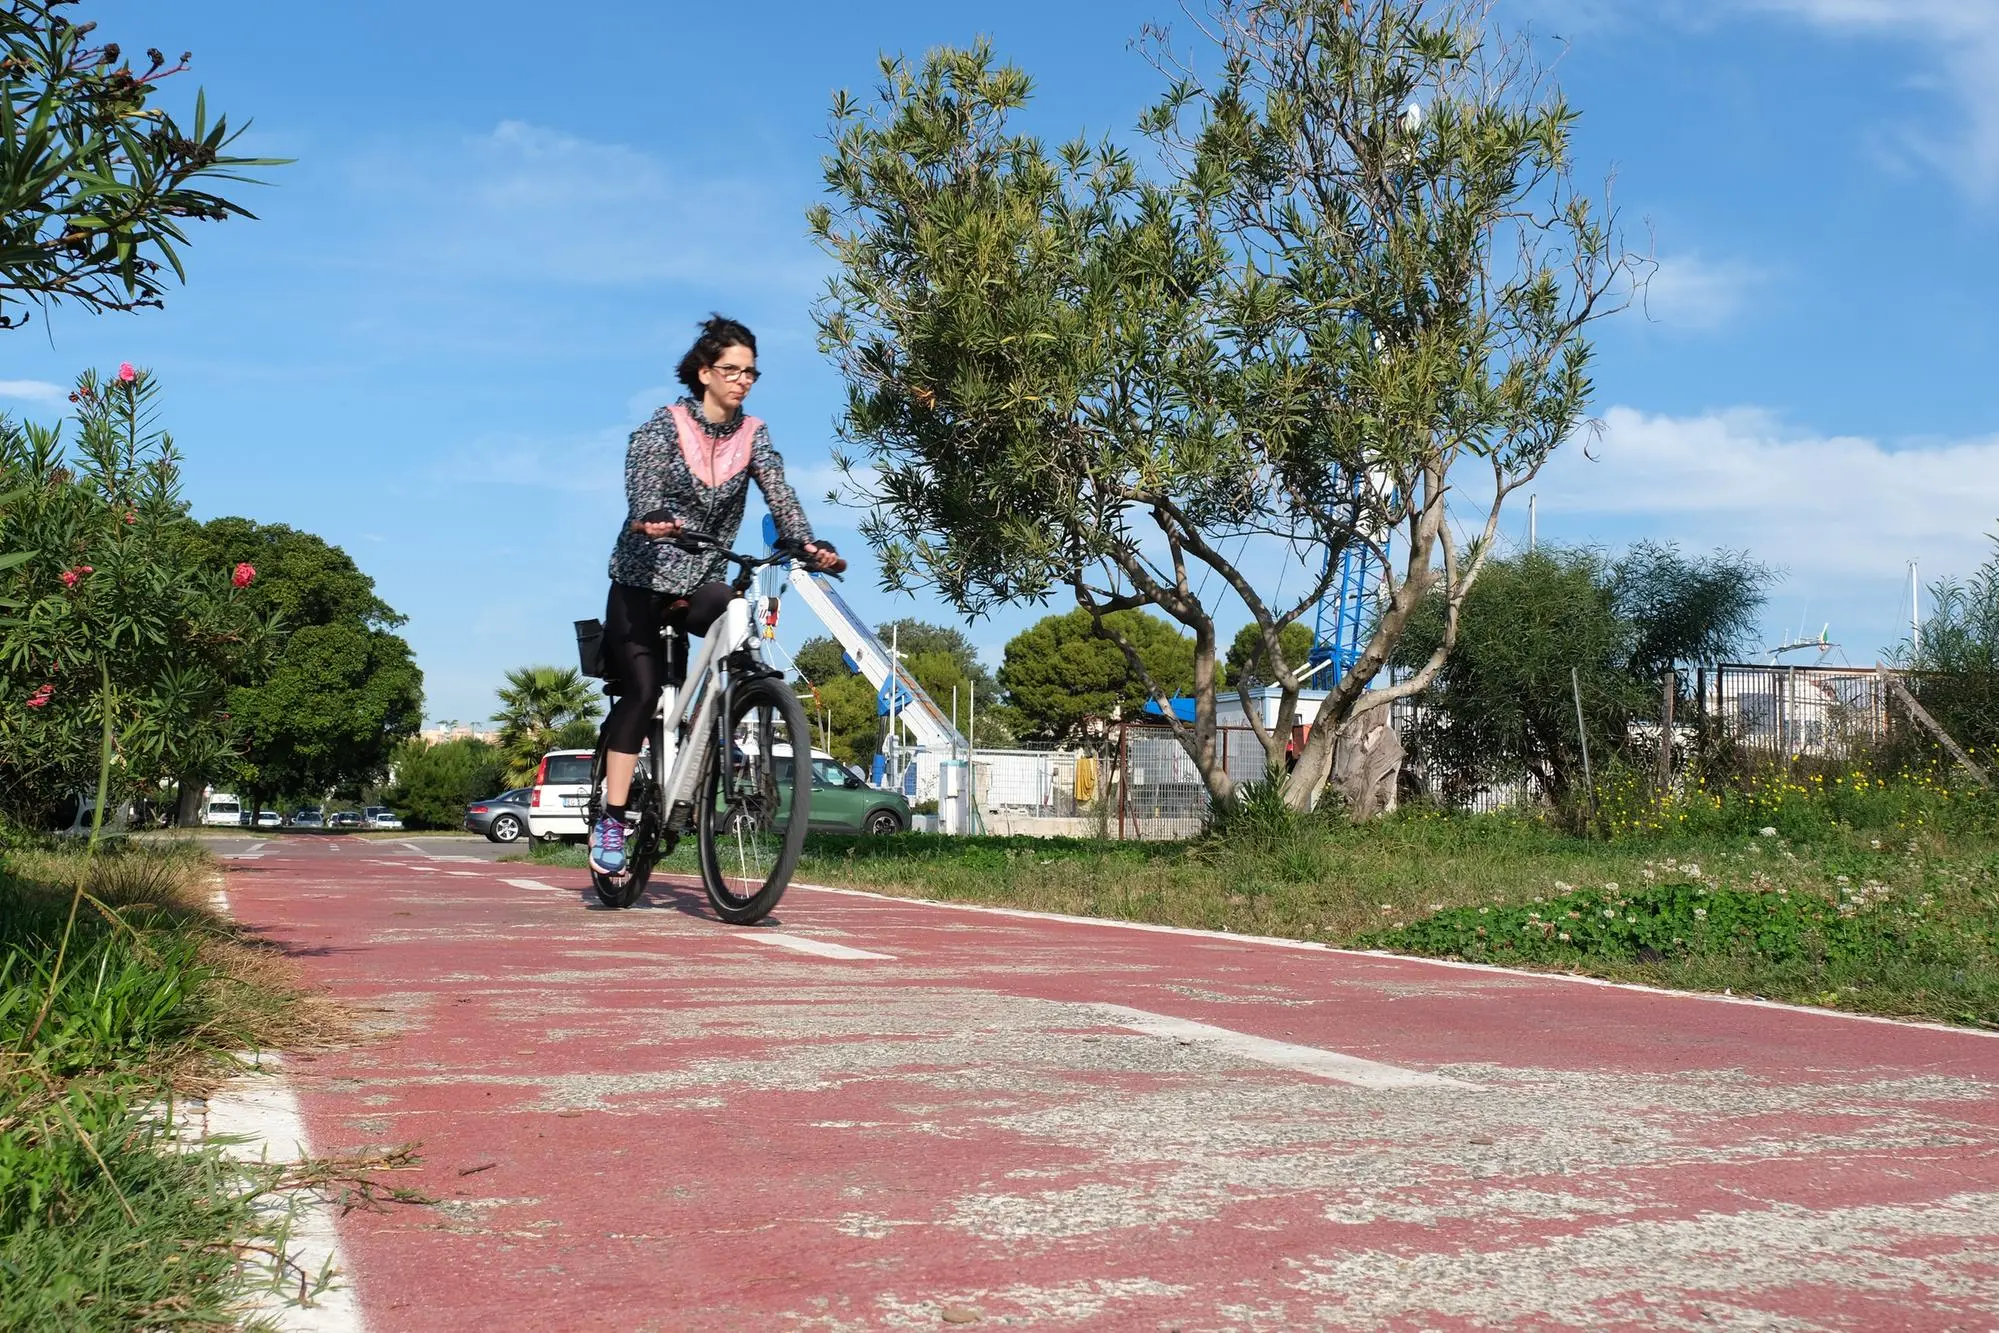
(689,467)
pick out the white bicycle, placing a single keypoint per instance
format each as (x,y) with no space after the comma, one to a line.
(727,759)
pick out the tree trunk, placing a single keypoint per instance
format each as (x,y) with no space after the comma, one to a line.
(187,809)
(1367,764)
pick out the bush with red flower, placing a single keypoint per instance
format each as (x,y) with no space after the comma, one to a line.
(109,611)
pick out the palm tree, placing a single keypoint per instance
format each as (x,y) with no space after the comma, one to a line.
(543,708)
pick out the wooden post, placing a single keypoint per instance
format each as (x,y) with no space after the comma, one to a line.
(1930,724)
(1672,694)
(1582,734)
(1123,774)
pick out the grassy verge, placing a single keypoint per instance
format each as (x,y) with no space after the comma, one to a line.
(107,1219)
(1884,901)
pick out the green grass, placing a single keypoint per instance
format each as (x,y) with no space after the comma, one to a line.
(106,1220)
(1882,898)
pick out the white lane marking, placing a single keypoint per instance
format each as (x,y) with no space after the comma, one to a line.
(472,874)
(530,884)
(442,856)
(818,948)
(262,1112)
(1029,915)
(1490,969)
(1285,1055)
(254,852)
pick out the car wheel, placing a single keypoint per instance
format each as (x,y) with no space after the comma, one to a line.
(506,828)
(881,823)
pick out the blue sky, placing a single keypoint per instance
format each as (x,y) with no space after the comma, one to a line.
(502,226)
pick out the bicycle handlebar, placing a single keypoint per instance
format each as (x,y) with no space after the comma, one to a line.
(697,543)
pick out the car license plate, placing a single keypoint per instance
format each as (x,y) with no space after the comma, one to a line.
(574,802)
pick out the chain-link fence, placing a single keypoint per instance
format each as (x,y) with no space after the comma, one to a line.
(1140,784)
(1795,712)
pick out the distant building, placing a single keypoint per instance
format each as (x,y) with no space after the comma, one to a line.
(456,731)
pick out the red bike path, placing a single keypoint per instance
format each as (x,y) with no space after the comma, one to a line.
(880,1114)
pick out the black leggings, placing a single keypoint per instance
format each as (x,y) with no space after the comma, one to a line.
(635,657)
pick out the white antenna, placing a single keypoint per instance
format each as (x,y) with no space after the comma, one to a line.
(1530,520)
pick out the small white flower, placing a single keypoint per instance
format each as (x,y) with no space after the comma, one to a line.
(1766,832)
(1690,870)
(1700,912)
(1610,912)
(1610,887)
(1629,917)
(1841,879)
(1563,935)
(1483,910)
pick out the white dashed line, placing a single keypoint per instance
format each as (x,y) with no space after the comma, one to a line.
(1285,1055)
(531,884)
(818,948)
(470,874)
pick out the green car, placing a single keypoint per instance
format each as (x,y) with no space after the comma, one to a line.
(842,803)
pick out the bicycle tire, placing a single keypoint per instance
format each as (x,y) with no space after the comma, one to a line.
(748,822)
(642,845)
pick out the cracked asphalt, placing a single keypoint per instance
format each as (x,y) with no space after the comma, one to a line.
(879,1114)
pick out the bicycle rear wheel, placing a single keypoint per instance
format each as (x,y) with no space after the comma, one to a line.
(641,842)
(755,802)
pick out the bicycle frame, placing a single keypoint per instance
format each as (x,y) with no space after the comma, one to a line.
(687,712)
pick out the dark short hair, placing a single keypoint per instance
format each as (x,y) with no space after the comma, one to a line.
(718,334)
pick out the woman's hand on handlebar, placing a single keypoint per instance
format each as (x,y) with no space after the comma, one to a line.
(656,528)
(823,559)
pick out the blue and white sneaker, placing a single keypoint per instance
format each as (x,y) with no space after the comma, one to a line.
(607,846)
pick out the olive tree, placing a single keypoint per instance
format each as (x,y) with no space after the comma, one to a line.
(1342,304)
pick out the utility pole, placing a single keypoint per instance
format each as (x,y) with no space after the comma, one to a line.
(1531,516)
(1915,612)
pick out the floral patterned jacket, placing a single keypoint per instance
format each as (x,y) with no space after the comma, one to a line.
(657,476)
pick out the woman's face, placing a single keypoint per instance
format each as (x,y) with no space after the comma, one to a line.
(728,381)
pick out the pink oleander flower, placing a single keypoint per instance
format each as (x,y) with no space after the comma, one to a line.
(72,577)
(131,516)
(244,576)
(40,698)
(126,373)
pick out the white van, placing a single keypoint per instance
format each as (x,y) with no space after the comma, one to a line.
(222,811)
(558,807)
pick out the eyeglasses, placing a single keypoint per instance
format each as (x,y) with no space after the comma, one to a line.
(734,374)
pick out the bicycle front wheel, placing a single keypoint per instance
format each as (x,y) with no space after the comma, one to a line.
(755,801)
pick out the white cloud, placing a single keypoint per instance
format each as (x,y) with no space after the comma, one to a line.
(1962,36)
(1697,294)
(1841,514)
(524,202)
(33,391)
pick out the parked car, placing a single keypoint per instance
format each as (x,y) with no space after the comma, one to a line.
(311,818)
(502,818)
(222,811)
(843,803)
(270,819)
(344,819)
(561,791)
(381,817)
